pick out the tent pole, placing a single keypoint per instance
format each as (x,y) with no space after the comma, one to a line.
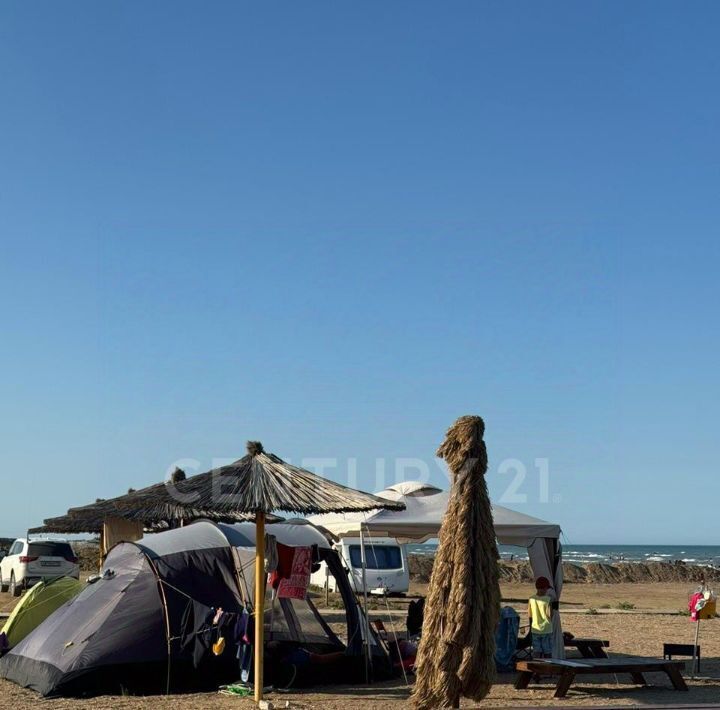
(327,585)
(166,614)
(365,598)
(259,602)
(101,558)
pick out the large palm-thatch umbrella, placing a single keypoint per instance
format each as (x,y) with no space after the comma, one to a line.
(157,507)
(456,654)
(148,506)
(68,524)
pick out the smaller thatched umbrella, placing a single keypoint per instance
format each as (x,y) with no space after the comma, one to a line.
(457,652)
(261,483)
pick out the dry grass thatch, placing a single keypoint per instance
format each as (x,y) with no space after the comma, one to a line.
(68,524)
(93,524)
(258,482)
(456,654)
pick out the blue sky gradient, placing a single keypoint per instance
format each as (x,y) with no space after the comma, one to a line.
(336,228)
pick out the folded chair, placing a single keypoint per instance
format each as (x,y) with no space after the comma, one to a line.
(506,639)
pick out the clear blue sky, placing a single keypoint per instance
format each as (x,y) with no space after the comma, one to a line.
(335,227)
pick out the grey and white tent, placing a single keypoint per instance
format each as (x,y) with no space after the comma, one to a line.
(144,626)
(425,507)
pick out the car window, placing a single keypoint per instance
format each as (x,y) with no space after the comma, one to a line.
(16,549)
(50,549)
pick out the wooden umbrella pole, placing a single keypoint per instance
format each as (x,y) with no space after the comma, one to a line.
(259,603)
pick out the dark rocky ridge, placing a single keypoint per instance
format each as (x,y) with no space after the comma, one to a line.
(592,573)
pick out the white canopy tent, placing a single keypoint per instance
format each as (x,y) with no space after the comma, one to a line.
(425,507)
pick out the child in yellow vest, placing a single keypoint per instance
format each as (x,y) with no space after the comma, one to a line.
(540,613)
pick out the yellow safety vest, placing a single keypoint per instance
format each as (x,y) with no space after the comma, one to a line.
(541,612)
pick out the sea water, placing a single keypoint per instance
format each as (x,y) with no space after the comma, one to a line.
(609,554)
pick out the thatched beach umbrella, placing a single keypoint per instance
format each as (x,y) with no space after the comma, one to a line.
(150,505)
(154,506)
(262,483)
(67,524)
(73,524)
(456,654)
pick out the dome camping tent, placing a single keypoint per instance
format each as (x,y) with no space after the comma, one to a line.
(146,625)
(425,507)
(35,606)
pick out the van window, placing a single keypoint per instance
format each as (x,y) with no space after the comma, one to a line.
(376,557)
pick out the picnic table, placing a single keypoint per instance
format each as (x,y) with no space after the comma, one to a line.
(588,647)
(567,670)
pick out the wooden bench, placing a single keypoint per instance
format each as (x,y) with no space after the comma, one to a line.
(567,670)
(681,649)
(588,648)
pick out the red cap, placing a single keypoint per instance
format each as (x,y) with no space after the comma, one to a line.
(542,583)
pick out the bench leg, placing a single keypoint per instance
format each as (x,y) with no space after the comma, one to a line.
(638,678)
(673,672)
(584,650)
(591,650)
(523,680)
(564,683)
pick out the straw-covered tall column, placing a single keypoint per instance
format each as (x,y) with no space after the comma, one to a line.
(456,654)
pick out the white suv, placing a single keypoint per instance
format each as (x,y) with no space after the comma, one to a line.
(29,562)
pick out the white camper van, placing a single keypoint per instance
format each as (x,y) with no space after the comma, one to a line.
(386,565)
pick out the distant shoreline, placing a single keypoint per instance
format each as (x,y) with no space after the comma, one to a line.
(519,571)
(611,554)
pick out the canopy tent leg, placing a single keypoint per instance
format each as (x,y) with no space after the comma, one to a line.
(259,602)
(366,622)
(327,586)
(545,556)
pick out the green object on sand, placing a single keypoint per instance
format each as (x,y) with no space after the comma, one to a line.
(238,690)
(37,604)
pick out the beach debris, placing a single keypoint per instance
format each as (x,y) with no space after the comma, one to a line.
(456,653)
(236,689)
(266,705)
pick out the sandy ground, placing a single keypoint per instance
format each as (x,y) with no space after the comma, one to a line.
(669,598)
(636,632)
